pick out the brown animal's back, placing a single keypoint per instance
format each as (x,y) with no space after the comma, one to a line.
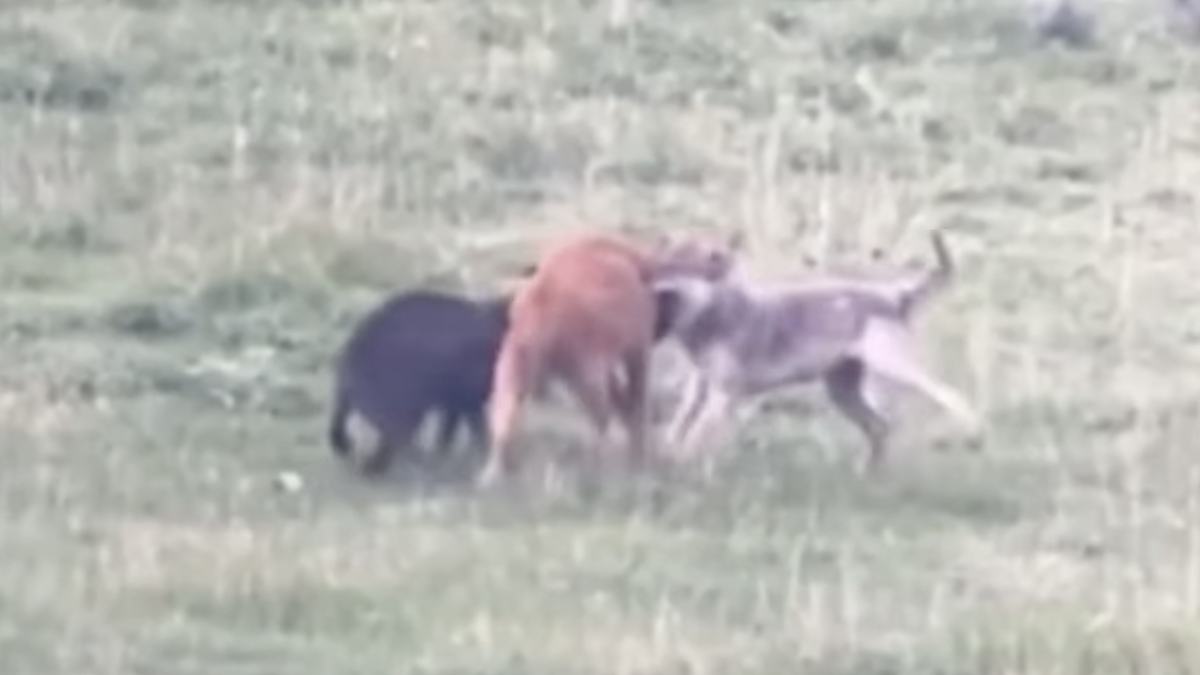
(587,295)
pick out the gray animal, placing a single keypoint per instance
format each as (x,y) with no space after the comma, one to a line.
(853,335)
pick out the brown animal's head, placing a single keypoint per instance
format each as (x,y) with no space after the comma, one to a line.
(706,257)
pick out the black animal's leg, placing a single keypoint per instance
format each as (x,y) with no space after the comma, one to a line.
(846,385)
(477,422)
(338,434)
(448,422)
(394,436)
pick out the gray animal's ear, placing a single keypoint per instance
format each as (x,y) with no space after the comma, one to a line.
(662,242)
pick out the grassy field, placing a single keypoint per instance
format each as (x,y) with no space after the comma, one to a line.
(198,199)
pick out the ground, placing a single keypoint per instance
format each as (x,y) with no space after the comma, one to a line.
(198,199)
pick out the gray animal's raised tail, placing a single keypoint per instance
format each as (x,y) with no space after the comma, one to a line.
(928,284)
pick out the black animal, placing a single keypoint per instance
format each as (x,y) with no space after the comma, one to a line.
(419,352)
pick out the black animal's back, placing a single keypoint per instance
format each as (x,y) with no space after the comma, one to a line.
(420,332)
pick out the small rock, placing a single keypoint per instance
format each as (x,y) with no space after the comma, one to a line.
(288,481)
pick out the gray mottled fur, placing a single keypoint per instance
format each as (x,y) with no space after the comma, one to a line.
(853,335)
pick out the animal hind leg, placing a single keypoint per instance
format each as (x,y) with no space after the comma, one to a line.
(848,387)
(886,350)
(722,388)
(512,378)
(590,384)
(448,422)
(630,399)
(394,436)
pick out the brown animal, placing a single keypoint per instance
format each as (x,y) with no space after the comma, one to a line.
(586,316)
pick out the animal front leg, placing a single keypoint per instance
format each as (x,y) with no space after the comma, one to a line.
(713,412)
(686,409)
(724,385)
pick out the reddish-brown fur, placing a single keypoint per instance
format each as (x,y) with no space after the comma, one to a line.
(586,317)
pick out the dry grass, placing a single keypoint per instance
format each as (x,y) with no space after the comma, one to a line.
(198,198)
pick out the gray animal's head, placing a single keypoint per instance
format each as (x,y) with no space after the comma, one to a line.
(704,257)
(688,302)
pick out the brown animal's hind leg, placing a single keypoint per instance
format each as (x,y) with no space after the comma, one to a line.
(590,384)
(630,399)
(511,382)
(847,387)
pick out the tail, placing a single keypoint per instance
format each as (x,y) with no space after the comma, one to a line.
(339,435)
(931,282)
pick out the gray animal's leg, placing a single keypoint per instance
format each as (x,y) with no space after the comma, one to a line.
(887,351)
(714,411)
(686,408)
(848,387)
(713,418)
(723,388)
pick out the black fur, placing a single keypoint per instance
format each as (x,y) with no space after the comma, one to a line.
(420,352)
